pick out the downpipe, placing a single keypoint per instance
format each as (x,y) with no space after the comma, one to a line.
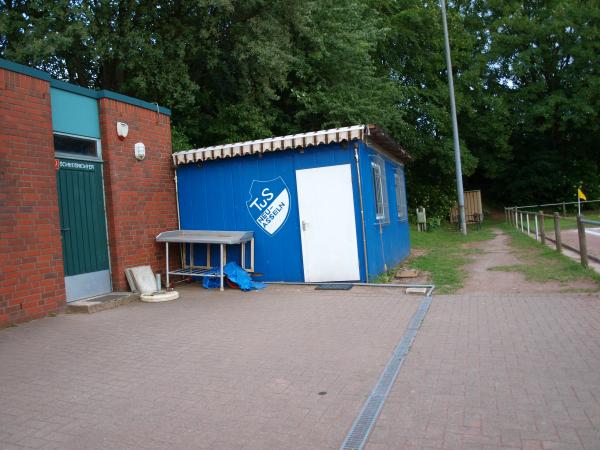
(177,200)
(178,217)
(362,212)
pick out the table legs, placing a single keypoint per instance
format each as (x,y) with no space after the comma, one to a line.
(167,266)
(221,264)
(243,258)
(222,261)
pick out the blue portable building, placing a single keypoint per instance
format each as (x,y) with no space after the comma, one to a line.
(324,206)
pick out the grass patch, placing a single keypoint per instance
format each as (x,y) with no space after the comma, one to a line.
(570,222)
(385,277)
(446,254)
(543,264)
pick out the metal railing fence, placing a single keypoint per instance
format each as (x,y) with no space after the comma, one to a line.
(562,205)
(534,225)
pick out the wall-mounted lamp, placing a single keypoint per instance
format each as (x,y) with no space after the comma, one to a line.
(122,130)
(140,151)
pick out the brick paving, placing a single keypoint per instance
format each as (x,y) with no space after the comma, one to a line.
(499,371)
(233,370)
(212,370)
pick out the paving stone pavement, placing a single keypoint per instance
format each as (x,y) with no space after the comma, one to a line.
(499,371)
(211,370)
(235,370)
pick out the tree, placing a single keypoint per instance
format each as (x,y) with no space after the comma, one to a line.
(412,55)
(542,62)
(134,47)
(526,77)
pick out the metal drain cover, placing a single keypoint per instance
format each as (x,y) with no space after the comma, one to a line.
(334,287)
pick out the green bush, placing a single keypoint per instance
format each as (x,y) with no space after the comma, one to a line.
(433,223)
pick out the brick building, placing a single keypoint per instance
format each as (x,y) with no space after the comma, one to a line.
(76,204)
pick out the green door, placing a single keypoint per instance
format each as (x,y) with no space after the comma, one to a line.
(83,228)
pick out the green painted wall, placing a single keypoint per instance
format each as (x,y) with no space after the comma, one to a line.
(74,114)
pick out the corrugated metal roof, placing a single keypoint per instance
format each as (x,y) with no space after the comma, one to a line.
(294,141)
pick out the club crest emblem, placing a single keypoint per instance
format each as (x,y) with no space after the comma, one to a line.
(269,204)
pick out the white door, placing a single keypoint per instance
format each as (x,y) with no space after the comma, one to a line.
(327,224)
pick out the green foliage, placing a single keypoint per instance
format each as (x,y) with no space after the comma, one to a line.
(436,199)
(412,54)
(433,223)
(385,277)
(527,85)
(179,140)
(542,62)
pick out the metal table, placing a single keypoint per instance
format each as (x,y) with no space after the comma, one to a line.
(208,237)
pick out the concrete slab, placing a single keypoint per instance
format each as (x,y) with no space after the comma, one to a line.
(101,303)
(143,278)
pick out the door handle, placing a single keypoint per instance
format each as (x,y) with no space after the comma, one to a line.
(62,230)
(304,225)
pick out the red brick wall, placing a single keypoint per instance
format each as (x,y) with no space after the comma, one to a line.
(140,195)
(31,269)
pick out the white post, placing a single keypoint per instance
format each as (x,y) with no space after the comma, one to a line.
(221,264)
(528,233)
(252,255)
(243,249)
(536,228)
(167,265)
(522,228)
(516,220)
(578,204)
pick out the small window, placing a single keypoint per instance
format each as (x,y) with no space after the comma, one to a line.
(75,146)
(380,190)
(400,195)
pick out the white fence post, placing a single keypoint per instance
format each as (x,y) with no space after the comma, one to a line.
(522,228)
(528,233)
(536,228)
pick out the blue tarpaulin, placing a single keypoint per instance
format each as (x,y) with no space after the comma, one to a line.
(236,275)
(242,278)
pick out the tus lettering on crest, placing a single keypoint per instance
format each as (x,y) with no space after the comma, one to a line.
(269,204)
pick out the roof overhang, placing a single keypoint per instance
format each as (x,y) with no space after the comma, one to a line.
(366,133)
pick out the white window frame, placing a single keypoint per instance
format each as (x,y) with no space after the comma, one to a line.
(380,190)
(63,155)
(400,185)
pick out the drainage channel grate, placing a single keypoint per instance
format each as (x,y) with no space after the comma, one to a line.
(334,287)
(361,428)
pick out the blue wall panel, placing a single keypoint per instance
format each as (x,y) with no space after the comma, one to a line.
(74,114)
(388,243)
(213,196)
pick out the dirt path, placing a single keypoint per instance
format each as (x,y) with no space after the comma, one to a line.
(497,252)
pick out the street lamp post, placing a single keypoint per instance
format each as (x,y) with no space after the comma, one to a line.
(459,183)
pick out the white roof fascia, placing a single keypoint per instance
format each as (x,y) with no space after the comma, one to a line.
(293,141)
